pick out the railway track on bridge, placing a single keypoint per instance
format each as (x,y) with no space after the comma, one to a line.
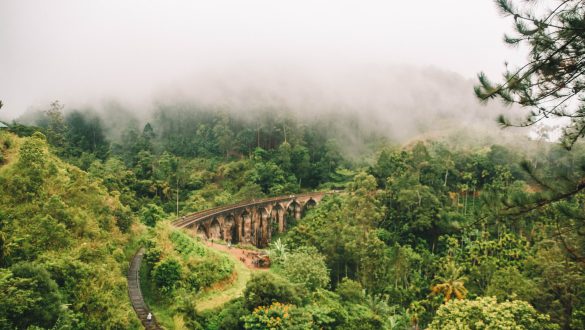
(134,291)
(202,215)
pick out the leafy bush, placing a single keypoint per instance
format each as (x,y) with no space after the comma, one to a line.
(203,272)
(487,313)
(278,251)
(328,311)
(509,283)
(263,289)
(306,267)
(153,253)
(187,246)
(350,291)
(167,274)
(230,317)
(275,316)
(6,141)
(123,221)
(150,214)
(33,295)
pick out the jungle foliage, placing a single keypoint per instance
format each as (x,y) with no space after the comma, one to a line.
(419,233)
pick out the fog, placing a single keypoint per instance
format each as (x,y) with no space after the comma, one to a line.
(406,67)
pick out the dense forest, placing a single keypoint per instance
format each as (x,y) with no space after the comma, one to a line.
(371,195)
(433,234)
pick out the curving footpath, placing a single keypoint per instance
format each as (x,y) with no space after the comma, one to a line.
(136,294)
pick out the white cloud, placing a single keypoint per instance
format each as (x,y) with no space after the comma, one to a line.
(83,51)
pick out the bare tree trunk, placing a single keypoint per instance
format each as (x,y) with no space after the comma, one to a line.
(284,129)
(446,175)
(473,199)
(465,206)
(177,197)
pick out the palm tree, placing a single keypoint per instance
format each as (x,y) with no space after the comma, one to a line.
(378,304)
(278,250)
(450,282)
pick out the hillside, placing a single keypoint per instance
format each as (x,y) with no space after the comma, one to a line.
(62,241)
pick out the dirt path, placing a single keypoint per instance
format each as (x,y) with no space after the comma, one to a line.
(242,255)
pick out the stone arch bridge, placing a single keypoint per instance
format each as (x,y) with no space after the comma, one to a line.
(250,222)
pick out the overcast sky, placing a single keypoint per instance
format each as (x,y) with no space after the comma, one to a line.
(81,51)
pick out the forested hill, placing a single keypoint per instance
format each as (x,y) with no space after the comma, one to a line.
(201,157)
(62,243)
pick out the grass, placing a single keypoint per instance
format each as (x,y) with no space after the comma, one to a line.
(216,297)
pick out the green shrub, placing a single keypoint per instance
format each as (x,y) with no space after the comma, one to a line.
(153,255)
(265,288)
(203,272)
(167,274)
(35,298)
(275,316)
(231,316)
(487,313)
(306,267)
(350,291)
(150,214)
(123,220)
(186,245)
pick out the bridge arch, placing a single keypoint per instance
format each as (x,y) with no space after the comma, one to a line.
(262,230)
(277,219)
(295,208)
(309,204)
(246,230)
(201,231)
(215,230)
(230,229)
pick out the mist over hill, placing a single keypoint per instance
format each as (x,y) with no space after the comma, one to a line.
(397,102)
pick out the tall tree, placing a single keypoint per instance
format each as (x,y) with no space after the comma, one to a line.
(552,82)
(56,126)
(224,134)
(450,282)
